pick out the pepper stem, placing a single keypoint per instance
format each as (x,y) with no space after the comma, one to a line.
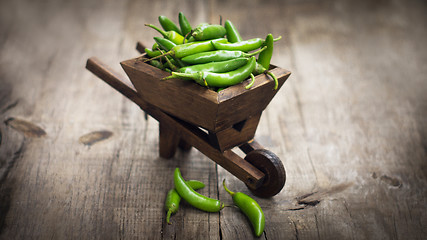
(255,53)
(168,216)
(173,67)
(277,39)
(160,56)
(276,82)
(226,189)
(251,83)
(158,30)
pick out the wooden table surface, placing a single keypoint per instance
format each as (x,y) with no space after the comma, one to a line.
(80,161)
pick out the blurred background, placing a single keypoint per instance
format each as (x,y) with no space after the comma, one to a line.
(349,124)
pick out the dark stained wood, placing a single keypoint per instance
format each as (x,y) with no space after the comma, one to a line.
(199,105)
(238,134)
(172,130)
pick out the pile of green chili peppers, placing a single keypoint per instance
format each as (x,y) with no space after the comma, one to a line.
(186,190)
(212,55)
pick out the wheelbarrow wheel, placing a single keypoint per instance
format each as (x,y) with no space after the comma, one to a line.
(275,175)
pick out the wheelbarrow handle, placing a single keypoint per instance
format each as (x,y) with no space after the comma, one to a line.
(114,79)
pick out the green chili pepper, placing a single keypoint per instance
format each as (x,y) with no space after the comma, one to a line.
(208,31)
(216,56)
(260,69)
(210,79)
(152,53)
(164,43)
(233,35)
(155,46)
(168,25)
(173,199)
(184,24)
(156,64)
(265,57)
(216,67)
(250,208)
(171,35)
(194,198)
(167,45)
(190,48)
(245,46)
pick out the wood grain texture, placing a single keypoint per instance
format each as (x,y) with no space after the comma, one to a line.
(349,124)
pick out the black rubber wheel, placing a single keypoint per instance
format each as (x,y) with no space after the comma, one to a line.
(275,175)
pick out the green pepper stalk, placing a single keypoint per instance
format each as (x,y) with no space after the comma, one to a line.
(194,198)
(233,35)
(209,79)
(173,199)
(245,46)
(208,31)
(217,55)
(250,208)
(190,48)
(168,25)
(171,35)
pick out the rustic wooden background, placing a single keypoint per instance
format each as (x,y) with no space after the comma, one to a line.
(80,161)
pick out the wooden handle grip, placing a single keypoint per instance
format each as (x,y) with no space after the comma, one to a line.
(113,79)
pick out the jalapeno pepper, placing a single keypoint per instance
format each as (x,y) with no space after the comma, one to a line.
(184,24)
(208,31)
(210,79)
(173,199)
(250,208)
(194,198)
(168,25)
(216,56)
(217,67)
(233,35)
(171,35)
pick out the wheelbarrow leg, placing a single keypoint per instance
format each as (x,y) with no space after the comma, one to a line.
(168,140)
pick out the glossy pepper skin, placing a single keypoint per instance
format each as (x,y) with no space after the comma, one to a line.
(168,25)
(184,24)
(250,208)
(175,37)
(190,48)
(245,46)
(194,198)
(216,67)
(173,199)
(264,58)
(233,35)
(208,31)
(216,56)
(152,53)
(209,79)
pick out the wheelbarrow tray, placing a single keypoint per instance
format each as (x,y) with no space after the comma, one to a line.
(198,105)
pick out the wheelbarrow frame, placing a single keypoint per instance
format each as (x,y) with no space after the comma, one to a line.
(261,170)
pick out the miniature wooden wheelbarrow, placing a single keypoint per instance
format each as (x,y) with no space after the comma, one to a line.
(213,122)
